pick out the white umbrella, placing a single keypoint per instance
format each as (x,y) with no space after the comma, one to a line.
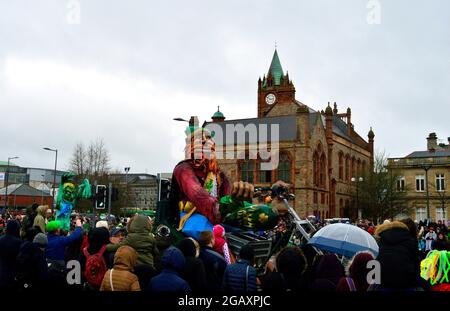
(344,239)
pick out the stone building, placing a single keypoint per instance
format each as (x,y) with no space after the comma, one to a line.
(142,190)
(424,176)
(319,151)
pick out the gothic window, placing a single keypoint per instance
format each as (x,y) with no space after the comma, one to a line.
(341,166)
(347,168)
(284,168)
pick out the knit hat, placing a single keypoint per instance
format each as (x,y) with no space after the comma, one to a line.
(102,223)
(53,225)
(41,240)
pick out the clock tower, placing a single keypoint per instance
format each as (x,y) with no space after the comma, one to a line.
(275,88)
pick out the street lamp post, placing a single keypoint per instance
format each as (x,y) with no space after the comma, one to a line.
(426,167)
(54,176)
(7,181)
(360,179)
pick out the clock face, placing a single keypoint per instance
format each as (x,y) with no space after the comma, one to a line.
(270,99)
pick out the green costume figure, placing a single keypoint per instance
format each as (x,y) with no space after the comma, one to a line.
(68,194)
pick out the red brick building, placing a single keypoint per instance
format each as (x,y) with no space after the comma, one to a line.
(22,195)
(320,153)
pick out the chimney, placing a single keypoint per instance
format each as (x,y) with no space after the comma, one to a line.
(432,142)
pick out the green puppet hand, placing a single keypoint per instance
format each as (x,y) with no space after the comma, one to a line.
(84,190)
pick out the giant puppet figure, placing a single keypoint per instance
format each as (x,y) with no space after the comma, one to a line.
(68,194)
(199,187)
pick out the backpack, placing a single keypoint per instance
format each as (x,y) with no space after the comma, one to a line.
(95,267)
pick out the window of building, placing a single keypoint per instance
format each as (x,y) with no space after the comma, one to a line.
(441,214)
(440,182)
(341,166)
(322,168)
(347,168)
(284,168)
(315,198)
(421,213)
(265,176)
(322,198)
(420,183)
(247,168)
(401,183)
(315,169)
(354,167)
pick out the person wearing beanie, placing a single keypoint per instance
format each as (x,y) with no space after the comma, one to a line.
(357,272)
(102,223)
(57,242)
(41,240)
(194,270)
(121,276)
(9,248)
(241,276)
(170,280)
(32,269)
(221,245)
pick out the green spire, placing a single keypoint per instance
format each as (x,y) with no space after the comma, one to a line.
(218,114)
(275,68)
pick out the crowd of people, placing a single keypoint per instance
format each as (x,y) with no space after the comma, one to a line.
(124,255)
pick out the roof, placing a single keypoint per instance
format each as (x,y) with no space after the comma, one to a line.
(429,154)
(339,128)
(218,115)
(275,68)
(134,178)
(5,163)
(287,129)
(22,190)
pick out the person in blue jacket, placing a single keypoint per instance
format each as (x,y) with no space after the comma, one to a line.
(57,242)
(169,280)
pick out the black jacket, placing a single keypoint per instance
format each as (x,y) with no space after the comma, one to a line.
(194,273)
(9,248)
(398,256)
(32,269)
(215,266)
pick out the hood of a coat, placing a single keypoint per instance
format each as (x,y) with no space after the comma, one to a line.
(41,210)
(13,228)
(125,258)
(330,268)
(139,224)
(393,233)
(173,259)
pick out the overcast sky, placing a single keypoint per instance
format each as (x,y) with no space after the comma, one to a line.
(125,69)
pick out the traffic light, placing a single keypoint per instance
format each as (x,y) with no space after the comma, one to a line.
(164,190)
(115,194)
(101,197)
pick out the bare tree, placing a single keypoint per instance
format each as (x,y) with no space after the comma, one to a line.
(78,160)
(378,192)
(91,161)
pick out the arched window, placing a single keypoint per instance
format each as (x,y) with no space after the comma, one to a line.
(354,167)
(315,169)
(284,168)
(322,170)
(247,170)
(341,166)
(358,168)
(347,168)
(364,169)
